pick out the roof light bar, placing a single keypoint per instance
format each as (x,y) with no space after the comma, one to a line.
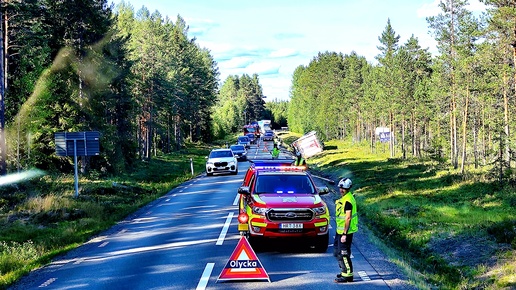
(280,168)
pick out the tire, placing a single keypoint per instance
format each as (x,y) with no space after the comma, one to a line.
(321,243)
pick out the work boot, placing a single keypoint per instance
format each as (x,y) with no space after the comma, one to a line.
(343,279)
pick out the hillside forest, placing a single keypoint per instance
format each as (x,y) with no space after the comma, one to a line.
(138,78)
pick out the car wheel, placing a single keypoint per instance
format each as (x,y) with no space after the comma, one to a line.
(236,172)
(321,244)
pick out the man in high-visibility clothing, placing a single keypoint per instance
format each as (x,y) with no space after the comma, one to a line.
(275,152)
(347,224)
(300,161)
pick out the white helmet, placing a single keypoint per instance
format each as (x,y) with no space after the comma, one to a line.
(345,183)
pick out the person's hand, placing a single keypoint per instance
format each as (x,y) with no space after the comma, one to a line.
(343,239)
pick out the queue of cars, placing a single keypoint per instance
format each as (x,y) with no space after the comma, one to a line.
(277,200)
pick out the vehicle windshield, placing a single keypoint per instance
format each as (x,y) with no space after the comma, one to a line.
(288,184)
(237,147)
(243,139)
(219,154)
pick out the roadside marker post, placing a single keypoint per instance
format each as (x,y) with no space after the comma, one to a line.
(243,264)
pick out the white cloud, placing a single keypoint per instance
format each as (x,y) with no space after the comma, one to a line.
(475,6)
(236,62)
(283,52)
(429,9)
(263,68)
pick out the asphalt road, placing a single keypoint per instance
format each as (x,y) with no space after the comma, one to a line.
(184,239)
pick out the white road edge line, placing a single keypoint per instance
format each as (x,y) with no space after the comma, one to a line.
(224,231)
(205,276)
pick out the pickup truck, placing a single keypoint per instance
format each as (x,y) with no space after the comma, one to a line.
(280,201)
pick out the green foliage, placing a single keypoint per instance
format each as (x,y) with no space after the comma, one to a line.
(446,224)
(240,102)
(42,218)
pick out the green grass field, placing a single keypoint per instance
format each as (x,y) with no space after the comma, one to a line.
(457,233)
(445,231)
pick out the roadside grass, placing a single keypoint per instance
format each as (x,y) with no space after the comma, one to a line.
(42,218)
(445,230)
(460,233)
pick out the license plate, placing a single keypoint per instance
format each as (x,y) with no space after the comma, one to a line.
(243,227)
(291,226)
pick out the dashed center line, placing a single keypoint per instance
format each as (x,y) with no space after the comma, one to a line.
(205,276)
(78,261)
(224,231)
(48,282)
(364,276)
(103,244)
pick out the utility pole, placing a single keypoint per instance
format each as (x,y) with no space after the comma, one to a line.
(3,153)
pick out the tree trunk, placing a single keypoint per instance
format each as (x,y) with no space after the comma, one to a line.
(464,132)
(403,144)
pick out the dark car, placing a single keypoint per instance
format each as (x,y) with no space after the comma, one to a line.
(244,140)
(268,136)
(239,151)
(251,137)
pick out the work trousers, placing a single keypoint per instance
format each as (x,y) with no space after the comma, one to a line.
(342,252)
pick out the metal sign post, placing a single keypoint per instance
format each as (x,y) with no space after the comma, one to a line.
(77,144)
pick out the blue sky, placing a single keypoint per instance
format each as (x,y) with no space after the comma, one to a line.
(273,37)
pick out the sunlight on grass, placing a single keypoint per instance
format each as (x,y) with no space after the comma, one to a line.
(427,209)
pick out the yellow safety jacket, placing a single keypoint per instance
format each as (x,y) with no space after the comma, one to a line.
(299,162)
(340,214)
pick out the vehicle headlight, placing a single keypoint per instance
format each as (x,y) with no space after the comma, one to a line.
(259,210)
(320,210)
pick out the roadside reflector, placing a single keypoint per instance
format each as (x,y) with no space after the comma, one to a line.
(243,264)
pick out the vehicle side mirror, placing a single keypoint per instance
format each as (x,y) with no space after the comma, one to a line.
(244,190)
(323,190)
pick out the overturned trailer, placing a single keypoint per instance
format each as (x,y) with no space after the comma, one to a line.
(308,144)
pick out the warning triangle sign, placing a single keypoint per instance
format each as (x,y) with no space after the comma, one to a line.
(243,264)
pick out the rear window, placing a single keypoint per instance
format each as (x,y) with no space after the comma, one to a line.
(243,139)
(237,147)
(287,184)
(219,154)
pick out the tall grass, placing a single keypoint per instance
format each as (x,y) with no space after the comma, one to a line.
(454,228)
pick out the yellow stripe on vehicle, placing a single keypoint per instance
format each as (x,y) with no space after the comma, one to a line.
(257,198)
(321,224)
(262,225)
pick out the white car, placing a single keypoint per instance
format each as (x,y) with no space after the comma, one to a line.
(221,161)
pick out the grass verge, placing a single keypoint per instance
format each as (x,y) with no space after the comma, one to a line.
(42,218)
(459,232)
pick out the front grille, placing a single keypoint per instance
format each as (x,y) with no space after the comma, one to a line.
(286,215)
(220,164)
